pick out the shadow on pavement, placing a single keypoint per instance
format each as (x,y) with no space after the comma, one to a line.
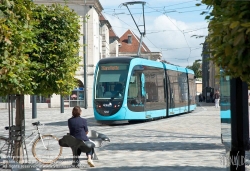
(205,104)
(91,122)
(161,146)
(159,168)
(147,168)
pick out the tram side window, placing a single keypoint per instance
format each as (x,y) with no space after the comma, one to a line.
(191,81)
(136,89)
(183,88)
(154,88)
(133,87)
(174,89)
(135,100)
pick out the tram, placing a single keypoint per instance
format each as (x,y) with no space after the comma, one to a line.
(133,88)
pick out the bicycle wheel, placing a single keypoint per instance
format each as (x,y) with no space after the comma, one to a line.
(49,154)
(5,148)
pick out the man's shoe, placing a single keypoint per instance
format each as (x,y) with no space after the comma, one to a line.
(90,163)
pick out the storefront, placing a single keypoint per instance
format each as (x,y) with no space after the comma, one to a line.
(75,99)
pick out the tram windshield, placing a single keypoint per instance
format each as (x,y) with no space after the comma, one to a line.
(111,80)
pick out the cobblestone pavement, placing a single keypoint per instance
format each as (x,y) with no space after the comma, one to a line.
(188,142)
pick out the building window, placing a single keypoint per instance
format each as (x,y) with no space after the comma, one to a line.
(129,39)
(40,99)
(76,98)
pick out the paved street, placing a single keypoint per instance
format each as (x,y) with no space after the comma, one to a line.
(189,142)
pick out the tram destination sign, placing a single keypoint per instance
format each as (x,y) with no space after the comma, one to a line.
(113,67)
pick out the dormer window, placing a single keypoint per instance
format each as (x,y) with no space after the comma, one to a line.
(129,39)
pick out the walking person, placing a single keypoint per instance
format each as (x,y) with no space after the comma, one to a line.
(200,97)
(79,129)
(211,97)
(217,98)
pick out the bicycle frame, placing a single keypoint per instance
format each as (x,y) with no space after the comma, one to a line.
(35,136)
(38,135)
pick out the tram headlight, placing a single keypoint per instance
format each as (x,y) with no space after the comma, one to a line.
(98,106)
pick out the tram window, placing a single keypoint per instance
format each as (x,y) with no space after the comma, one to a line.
(107,83)
(135,99)
(191,81)
(109,78)
(132,79)
(183,89)
(154,88)
(133,87)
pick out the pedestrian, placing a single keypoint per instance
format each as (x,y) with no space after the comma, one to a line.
(217,98)
(78,128)
(200,97)
(211,97)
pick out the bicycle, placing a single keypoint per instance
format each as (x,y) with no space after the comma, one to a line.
(45,148)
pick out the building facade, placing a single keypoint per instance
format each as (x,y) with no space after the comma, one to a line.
(210,74)
(98,41)
(129,46)
(95,35)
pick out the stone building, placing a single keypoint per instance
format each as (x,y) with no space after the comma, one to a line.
(100,42)
(210,73)
(129,45)
(95,31)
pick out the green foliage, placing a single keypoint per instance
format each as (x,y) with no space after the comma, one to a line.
(196,67)
(38,48)
(57,56)
(229,35)
(16,40)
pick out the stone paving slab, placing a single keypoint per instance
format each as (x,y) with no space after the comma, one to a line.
(188,142)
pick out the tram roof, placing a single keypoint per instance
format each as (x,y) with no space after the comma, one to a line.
(145,62)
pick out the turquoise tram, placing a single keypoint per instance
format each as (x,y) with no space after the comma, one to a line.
(132,88)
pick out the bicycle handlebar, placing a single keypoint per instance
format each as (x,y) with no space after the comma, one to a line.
(36,123)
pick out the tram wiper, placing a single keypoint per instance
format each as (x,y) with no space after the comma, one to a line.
(112,98)
(117,93)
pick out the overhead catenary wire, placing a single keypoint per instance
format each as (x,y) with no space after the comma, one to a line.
(144,25)
(159,48)
(150,31)
(183,32)
(153,31)
(163,9)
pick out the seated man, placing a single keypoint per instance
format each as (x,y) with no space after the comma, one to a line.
(78,128)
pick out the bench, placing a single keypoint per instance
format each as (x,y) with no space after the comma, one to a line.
(75,144)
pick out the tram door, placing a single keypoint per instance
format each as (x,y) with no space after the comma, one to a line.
(171,92)
(167,94)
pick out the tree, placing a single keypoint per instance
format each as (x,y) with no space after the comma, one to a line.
(16,41)
(196,67)
(229,35)
(57,53)
(38,51)
(38,48)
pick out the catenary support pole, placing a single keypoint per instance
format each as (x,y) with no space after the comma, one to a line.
(239,124)
(34,107)
(62,104)
(85,39)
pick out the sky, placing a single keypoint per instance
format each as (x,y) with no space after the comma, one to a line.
(170,26)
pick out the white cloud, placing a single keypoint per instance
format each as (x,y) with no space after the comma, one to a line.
(172,33)
(175,39)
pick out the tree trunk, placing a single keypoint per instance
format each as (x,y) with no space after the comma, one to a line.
(20,122)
